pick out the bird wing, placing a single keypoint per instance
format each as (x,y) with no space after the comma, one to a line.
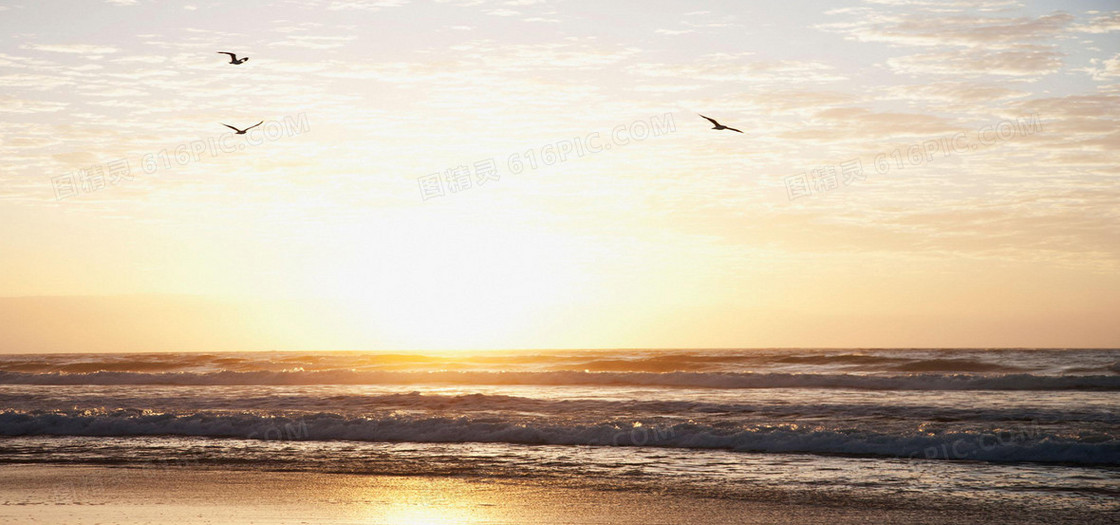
(712,120)
(733,129)
(231,127)
(254,125)
(231,55)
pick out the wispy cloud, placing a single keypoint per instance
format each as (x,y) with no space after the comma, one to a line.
(72,49)
(1028,64)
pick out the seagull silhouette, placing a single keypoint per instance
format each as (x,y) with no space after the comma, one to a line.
(233,58)
(242,131)
(717,124)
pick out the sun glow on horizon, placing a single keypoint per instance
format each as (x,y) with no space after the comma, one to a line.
(484,287)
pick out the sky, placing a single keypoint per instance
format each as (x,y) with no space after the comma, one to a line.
(521,174)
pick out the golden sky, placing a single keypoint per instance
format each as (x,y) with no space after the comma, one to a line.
(533,174)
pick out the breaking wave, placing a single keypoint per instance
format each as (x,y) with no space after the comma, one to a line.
(925,381)
(1029,444)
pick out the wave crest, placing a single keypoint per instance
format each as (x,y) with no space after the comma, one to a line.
(1030,444)
(729,380)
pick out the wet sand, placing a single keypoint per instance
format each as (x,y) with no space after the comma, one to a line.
(89,495)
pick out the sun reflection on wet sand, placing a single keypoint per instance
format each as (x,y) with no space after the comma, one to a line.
(412,501)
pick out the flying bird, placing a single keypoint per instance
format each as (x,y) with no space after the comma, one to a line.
(717,124)
(233,58)
(242,131)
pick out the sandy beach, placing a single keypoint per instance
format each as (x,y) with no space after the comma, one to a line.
(89,495)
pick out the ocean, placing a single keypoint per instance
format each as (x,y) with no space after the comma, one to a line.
(1023,427)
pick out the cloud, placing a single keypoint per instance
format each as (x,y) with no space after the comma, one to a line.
(364,5)
(144,59)
(73,49)
(1100,24)
(286,26)
(949,6)
(973,63)
(803,103)
(1019,47)
(572,54)
(35,81)
(76,159)
(913,29)
(316,42)
(856,123)
(15,105)
(957,93)
(969,45)
(740,68)
(1093,107)
(1104,69)
(1079,133)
